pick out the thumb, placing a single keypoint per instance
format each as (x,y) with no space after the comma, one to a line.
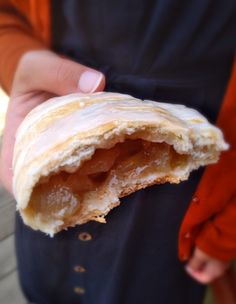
(197,261)
(46,71)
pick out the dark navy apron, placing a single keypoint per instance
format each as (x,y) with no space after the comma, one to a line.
(175,51)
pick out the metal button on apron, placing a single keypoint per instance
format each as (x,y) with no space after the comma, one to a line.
(85,236)
(79,290)
(79,268)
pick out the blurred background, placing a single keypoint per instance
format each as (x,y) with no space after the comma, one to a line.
(10,292)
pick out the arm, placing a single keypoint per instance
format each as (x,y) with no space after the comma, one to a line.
(16,37)
(215,214)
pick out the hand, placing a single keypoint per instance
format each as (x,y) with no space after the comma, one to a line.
(205,269)
(40,75)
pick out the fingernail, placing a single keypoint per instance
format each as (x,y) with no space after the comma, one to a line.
(89,81)
(188,269)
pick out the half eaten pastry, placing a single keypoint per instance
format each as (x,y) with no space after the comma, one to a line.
(76,155)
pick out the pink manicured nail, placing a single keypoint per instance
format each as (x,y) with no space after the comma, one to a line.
(188,269)
(89,81)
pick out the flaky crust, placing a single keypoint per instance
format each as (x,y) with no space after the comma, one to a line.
(63,132)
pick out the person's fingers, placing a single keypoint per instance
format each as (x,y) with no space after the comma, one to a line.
(209,273)
(215,269)
(197,261)
(58,75)
(203,268)
(203,277)
(18,108)
(40,75)
(195,266)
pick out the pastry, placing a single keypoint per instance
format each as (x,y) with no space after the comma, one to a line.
(76,155)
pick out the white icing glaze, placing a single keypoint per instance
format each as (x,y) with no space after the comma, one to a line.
(186,129)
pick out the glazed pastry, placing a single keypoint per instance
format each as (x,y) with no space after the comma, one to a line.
(76,155)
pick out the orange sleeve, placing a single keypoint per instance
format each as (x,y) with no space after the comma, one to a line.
(210,221)
(16,37)
(218,236)
(218,188)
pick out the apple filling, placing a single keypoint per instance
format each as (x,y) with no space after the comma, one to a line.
(61,196)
